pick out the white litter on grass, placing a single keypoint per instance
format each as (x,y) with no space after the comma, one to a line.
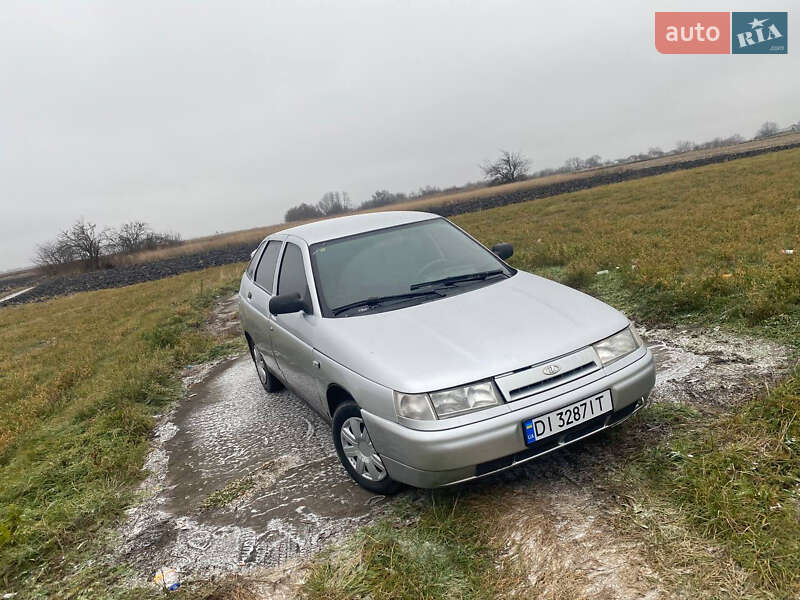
(9,297)
(603,272)
(167,579)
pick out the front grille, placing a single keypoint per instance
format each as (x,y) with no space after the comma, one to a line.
(533,380)
(528,390)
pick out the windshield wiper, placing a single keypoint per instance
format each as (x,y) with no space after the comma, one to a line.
(458,278)
(375,300)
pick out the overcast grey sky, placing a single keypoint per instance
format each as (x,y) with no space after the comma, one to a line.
(212,116)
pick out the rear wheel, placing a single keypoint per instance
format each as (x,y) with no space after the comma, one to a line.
(267,379)
(355,450)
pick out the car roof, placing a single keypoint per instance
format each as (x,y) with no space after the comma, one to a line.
(330,229)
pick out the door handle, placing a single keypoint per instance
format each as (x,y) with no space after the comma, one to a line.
(249,295)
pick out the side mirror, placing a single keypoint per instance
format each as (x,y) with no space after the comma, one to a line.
(504,250)
(285,304)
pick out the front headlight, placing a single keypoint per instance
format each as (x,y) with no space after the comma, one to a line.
(413,406)
(618,345)
(447,403)
(457,401)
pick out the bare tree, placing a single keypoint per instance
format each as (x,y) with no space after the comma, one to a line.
(130,236)
(655,152)
(684,146)
(510,167)
(85,242)
(574,164)
(383,198)
(302,212)
(427,190)
(334,203)
(50,255)
(595,160)
(159,240)
(767,129)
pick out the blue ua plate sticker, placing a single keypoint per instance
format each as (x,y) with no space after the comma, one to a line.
(530,432)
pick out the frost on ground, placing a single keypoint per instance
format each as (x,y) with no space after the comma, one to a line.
(241,481)
(713,369)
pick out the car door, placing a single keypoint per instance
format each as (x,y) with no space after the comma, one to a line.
(258,297)
(291,334)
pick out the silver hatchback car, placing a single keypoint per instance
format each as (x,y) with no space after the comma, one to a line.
(434,360)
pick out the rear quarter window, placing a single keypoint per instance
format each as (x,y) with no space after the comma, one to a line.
(251,266)
(265,273)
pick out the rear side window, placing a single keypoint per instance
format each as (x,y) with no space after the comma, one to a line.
(292,278)
(266,268)
(251,267)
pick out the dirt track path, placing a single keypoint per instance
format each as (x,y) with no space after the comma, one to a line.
(284,494)
(288,493)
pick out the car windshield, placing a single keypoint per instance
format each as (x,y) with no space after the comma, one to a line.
(389,268)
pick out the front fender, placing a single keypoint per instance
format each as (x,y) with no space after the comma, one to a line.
(371,396)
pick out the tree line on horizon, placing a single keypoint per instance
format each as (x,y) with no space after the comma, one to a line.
(84,245)
(511,167)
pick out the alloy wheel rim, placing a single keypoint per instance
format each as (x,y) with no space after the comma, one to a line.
(359,451)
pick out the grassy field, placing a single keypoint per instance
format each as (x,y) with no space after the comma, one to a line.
(532,184)
(80,378)
(704,243)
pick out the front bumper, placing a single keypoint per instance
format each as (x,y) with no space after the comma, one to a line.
(436,458)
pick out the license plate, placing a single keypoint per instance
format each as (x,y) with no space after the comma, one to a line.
(559,420)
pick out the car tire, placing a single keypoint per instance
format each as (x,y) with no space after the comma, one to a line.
(265,376)
(358,457)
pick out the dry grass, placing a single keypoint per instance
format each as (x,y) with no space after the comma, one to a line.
(17,273)
(712,502)
(80,377)
(434,549)
(736,481)
(532,184)
(687,563)
(225,588)
(250,237)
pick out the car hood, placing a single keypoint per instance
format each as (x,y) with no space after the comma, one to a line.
(501,327)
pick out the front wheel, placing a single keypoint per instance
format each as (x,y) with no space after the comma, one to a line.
(355,450)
